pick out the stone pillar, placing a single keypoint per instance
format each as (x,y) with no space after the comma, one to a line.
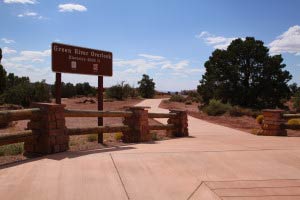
(272,124)
(138,125)
(49,126)
(180,121)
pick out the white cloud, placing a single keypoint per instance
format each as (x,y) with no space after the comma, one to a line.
(20,1)
(152,57)
(33,56)
(288,42)
(69,7)
(28,14)
(218,42)
(7,50)
(7,41)
(177,66)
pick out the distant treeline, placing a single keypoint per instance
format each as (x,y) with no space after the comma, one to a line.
(20,91)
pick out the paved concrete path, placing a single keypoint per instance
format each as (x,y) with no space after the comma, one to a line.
(215,162)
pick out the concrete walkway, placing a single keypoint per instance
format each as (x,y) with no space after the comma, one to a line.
(215,162)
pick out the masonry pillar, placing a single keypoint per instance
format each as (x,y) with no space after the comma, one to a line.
(49,126)
(272,124)
(180,122)
(138,126)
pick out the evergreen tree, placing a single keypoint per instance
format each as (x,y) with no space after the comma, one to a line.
(246,75)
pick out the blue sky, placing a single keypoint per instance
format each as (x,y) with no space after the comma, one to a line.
(170,40)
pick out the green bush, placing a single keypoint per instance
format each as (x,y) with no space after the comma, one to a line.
(120,91)
(177,98)
(260,119)
(12,149)
(294,122)
(24,94)
(216,107)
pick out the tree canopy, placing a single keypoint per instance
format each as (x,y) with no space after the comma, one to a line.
(246,75)
(146,87)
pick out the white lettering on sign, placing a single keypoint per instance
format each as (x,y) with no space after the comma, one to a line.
(63,50)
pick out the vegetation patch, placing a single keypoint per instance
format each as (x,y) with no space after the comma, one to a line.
(92,137)
(260,119)
(118,136)
(12,149)
(216,107)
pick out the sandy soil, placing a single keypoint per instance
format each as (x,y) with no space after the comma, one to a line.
(244,123)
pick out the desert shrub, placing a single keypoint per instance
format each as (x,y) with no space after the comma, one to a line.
(118,136)
(177,98)
(296,101)
(92,137)
(12,149)
(260,119)
(194,96)
(237,111)
(120,91)
(216,107)
(24,94)
(294,122)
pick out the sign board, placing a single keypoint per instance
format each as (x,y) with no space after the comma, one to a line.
(79,60)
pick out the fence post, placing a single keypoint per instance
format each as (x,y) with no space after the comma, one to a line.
(51,130)
(138,126)
(273,123)
(180,122)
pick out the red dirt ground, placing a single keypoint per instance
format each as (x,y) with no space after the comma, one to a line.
(244,123)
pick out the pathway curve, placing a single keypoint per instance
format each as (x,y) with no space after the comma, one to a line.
(215,162)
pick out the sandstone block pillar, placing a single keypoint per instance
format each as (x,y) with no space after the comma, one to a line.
(138,126)
(180,122)
(273,123)
(49,126)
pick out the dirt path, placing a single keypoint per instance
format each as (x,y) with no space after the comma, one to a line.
(215,162)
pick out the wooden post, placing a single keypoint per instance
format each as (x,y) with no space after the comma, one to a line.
(58,88)
(100,106)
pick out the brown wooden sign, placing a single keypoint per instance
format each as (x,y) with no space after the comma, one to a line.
(79,60)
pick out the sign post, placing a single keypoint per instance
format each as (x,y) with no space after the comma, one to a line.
(58,88)
(100,105)
(80,60)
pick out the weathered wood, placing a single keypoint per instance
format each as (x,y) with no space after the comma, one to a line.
(94,113)
(16,137)
(293,127)
(161,127)
(99,129)
(161,115)
(290,116)
(14,115)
